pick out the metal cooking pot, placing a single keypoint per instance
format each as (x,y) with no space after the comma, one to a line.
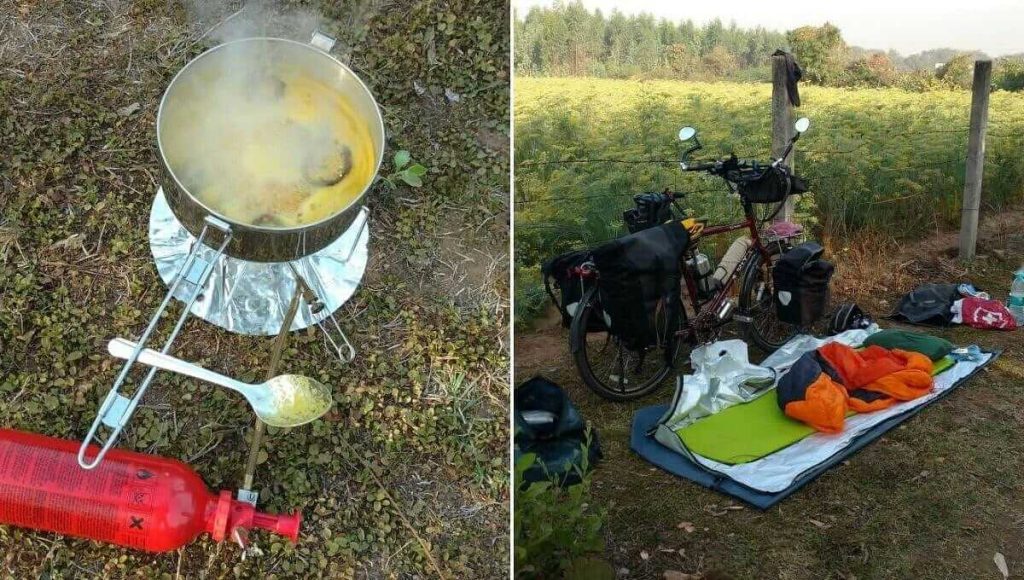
(247,241)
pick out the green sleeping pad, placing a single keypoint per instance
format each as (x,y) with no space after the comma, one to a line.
(749,431)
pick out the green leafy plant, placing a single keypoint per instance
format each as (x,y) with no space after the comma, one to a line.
(557,531)
(411,175)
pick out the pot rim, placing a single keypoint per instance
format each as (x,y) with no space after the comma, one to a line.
(249,227)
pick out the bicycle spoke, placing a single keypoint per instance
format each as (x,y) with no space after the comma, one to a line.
(613,370)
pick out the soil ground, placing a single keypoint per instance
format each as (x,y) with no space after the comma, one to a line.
(407,477)
(937,497)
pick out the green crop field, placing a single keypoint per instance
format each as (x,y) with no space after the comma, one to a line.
(886,161)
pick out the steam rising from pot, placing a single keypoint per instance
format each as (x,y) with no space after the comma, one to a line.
(259,132)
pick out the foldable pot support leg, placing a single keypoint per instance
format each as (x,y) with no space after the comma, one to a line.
(329,325)
(345,352)
(117,409)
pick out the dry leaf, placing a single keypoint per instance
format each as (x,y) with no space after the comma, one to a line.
(644,555)
(921,475)
(820,524)
(1000,561)
(689,527)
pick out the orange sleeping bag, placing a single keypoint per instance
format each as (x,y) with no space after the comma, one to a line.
(825,384)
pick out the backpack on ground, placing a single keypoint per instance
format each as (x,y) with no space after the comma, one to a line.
(548,425)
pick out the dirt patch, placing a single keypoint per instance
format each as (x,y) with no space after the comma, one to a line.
(474,266)
(80,85)
(935,498)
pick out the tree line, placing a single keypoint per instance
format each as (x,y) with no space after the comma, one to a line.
(566,39)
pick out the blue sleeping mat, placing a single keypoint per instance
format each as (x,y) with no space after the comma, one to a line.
(646,420)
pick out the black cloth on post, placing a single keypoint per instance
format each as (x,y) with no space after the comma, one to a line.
(793,75)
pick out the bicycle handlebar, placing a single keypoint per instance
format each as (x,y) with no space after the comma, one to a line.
(725,166)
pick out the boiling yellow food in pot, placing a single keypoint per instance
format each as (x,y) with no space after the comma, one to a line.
(277,149)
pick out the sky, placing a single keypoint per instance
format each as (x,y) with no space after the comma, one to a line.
(993,26)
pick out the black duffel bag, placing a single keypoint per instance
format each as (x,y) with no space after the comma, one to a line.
(772,185)
(549,426)
(801,279)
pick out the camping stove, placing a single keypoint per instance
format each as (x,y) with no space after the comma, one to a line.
(235,273)
(254,298)
(232,272)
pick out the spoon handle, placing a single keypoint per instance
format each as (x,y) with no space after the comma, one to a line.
(122,348)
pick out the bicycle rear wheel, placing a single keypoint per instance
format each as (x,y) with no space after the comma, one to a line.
(606,366)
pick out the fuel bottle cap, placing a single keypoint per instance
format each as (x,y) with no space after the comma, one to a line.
(231,513)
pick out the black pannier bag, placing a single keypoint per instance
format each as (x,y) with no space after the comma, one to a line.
(801,281)
(638,284)
(652,209)
(561,272)
(772,186)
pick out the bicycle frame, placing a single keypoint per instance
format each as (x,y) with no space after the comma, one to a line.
(719,298)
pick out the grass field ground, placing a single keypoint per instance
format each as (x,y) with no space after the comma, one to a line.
(408,475)
(937,497)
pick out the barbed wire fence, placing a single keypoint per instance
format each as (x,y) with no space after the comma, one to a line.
(829,171)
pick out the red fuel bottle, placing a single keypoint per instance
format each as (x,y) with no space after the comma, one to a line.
(139,501)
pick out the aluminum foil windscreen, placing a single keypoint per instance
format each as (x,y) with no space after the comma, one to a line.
(253,297)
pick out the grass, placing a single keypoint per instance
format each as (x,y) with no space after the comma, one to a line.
(936,497)
(416,447)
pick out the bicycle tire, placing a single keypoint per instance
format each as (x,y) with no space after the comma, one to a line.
(578,345)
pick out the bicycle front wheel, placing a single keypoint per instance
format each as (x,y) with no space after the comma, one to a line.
(757,293)
(606,366)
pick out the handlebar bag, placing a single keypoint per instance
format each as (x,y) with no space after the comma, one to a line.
(772,185)
(560,271)
(639,285)
(801,279)
(652,209)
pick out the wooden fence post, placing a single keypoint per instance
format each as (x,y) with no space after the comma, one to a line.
(975,158)
(782,123)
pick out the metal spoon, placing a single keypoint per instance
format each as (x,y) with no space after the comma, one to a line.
(283,401)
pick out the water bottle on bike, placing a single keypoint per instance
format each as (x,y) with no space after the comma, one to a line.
(1016,302)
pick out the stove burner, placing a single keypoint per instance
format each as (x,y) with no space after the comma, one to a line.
(253,297)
